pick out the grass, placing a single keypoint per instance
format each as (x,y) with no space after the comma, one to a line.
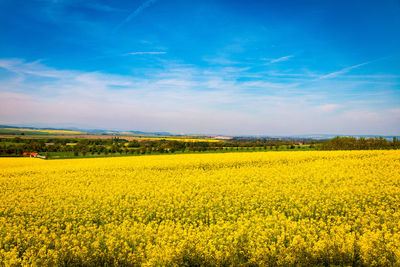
(70,154)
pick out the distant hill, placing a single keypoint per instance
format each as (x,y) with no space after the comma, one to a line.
(50,130)
(315,136)
(100,131)
(4,129)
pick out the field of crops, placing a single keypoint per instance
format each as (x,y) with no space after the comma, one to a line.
(42,131)
(276,208)
(181,139)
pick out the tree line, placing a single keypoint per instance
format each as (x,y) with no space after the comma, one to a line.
(361,143)
(17,146)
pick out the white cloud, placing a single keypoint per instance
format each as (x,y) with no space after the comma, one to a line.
(327,108)
(362,115)
(396,113)
(33,68)
(177,98)
(342,71)
(285,58)
(102,7)
(147,53)
(135,13)
(219,60)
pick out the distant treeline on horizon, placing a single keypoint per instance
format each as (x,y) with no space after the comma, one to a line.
(18,146)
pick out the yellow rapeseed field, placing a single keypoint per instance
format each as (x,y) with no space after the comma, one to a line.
(45,131)
(182,139)
(264,208)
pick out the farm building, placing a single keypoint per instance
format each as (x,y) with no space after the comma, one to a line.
(31,154)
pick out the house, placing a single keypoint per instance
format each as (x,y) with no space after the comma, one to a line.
(31,154)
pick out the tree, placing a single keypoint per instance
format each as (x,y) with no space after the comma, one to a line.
(84,150)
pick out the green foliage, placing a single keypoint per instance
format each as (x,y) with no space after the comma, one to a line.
(353,143)
(67,147)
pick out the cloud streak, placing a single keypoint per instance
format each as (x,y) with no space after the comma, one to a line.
(342,71)
(285,58)
(135,13)
(147,53)
(102,7)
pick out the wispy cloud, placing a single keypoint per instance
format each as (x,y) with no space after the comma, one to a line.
(327,108)
(147,53)
(177,98)
(101,7)
(135,13)
(219,61)
(395,112)
(342,71)
(285,58)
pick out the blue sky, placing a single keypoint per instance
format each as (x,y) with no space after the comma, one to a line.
(217,67)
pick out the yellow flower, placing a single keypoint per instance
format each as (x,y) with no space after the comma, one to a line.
(263,208)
